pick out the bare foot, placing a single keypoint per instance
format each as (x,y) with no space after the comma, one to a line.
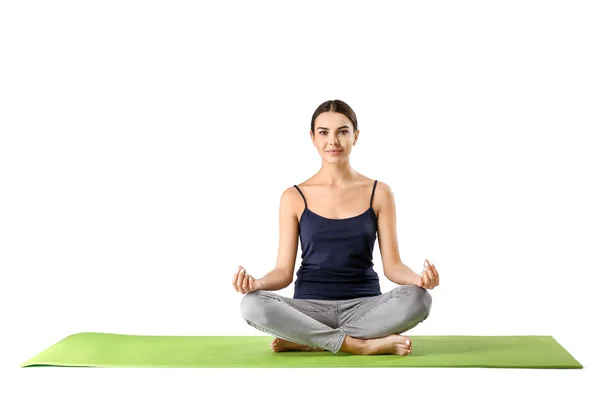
(278,345)
(392,344)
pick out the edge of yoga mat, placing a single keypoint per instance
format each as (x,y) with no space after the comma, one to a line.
(95,349)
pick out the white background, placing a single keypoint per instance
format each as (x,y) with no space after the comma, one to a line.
(145,145)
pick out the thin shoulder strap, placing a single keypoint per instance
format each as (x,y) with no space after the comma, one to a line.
(302,194)
(373,192)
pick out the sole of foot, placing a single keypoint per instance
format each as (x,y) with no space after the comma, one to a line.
(280,345)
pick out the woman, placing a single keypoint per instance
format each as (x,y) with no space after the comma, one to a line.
(337,303)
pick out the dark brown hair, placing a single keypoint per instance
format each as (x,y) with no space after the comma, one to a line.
(335,106)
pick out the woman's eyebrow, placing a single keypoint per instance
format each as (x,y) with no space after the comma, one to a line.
(345,126)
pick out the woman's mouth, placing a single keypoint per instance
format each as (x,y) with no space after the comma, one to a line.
(334,152)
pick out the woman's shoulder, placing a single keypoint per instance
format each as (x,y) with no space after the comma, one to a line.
(383,197)
(383,186)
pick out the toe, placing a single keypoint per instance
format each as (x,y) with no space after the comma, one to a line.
(407,341)
(401,350)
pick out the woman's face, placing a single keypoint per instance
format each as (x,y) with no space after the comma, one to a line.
(334,131)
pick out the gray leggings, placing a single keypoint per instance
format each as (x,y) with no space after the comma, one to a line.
(325,323)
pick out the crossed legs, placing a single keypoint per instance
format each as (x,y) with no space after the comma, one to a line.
(368,325)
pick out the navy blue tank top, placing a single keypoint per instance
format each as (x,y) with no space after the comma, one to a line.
(337,256)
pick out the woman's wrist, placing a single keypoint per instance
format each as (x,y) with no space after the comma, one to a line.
(403,275)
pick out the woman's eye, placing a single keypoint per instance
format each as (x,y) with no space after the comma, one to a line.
(325,132)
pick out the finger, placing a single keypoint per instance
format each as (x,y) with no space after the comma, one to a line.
(430,278)
(430,274)
(425,279)
(433,269)
(436,274)
(240,280)
(235,279)
(251,284)
(246,283)
(432,265)
(235,276)
(436,279)
(426,268)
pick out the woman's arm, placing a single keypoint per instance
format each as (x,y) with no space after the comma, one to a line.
(393,267)
(283,274)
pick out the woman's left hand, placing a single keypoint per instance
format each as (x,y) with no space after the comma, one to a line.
(429,278)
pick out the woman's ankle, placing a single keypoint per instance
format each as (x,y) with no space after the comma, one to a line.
(353,345)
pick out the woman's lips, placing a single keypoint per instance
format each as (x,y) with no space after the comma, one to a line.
(335,152)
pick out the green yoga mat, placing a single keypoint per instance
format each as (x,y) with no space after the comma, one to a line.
(92,349)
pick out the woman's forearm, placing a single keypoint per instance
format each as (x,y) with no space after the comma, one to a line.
(274,280)
(401,274)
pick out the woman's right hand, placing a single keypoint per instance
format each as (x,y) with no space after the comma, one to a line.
(244,282)
(429,278)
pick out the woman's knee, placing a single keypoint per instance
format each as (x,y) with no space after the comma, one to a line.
(252,306)
(426,301)
(421,298)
